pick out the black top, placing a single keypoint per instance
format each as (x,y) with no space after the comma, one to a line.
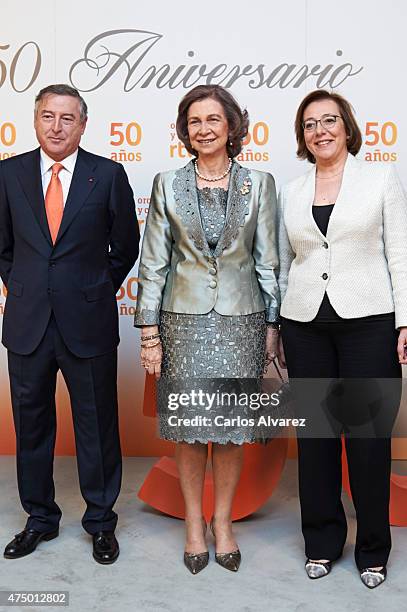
(321,216)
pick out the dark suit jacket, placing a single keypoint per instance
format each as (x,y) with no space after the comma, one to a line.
(78,277)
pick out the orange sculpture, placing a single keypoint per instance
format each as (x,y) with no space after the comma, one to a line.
(262,468)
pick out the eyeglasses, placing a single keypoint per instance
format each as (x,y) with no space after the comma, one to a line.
(327,122)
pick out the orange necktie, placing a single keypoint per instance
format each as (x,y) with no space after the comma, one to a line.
(54,202)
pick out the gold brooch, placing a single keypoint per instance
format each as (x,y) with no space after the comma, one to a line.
(244,190)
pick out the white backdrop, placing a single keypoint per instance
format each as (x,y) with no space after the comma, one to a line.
(134,61)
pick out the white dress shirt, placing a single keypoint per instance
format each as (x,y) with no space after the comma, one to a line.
(65,175)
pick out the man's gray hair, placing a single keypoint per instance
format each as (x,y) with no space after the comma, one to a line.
(61,89)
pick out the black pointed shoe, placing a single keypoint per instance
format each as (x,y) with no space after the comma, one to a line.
(105,547)
(373,578)
(196,562)
(229,560)
(317,569)
(26,542)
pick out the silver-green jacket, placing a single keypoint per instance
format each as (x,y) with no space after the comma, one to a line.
(179,273)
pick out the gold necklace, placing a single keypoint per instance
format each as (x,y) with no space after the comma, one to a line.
(325,178)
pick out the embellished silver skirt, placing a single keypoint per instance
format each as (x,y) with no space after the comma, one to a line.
(198,351)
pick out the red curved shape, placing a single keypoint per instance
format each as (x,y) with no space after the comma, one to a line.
(398,500)
(150,397)
(261,472)
(262,468)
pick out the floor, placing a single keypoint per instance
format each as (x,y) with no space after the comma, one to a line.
(150,576)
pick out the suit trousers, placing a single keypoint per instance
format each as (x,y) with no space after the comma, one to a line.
(352,348)
(92,389)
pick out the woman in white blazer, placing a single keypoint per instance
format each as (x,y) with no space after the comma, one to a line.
(343,284)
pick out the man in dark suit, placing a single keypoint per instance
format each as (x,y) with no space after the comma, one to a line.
(68,238)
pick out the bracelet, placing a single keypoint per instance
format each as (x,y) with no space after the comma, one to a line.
(153,337)
(151,345)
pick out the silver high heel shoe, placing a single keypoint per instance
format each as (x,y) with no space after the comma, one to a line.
(317,569)
(196,562)
(229,560)
(373,578)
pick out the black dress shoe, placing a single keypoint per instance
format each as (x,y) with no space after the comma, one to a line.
(26,542)
(105,547)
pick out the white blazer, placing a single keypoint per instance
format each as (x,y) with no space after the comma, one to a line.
(362,262)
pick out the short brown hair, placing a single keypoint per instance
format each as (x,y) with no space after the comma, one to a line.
(238,119)
(354,135)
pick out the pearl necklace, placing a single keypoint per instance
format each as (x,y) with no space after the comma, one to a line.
(213,178)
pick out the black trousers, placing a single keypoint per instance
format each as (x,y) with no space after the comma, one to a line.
(92,388)
(355,348)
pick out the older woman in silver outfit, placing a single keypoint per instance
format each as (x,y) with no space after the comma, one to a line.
(208,299)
